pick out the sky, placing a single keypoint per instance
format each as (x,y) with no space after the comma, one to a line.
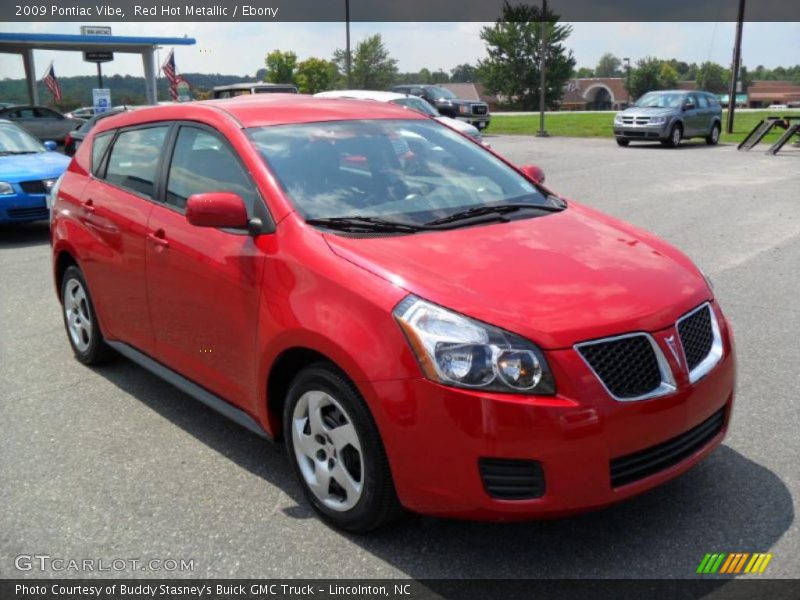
(239,48)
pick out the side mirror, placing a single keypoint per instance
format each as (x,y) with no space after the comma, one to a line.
(217,209)
(689,107)
(50,145)
(533,172)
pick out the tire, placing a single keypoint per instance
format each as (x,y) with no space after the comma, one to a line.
(623,143)
(675,136)
(341,444)
(80,320)
(713,136)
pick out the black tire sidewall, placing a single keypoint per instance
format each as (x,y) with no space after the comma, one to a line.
(372,509)
(710,139)
(97,349)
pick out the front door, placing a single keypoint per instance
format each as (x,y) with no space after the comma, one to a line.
(203,283)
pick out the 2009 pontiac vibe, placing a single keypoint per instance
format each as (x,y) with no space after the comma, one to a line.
(425,325)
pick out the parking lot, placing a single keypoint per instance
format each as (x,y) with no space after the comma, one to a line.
(114,463)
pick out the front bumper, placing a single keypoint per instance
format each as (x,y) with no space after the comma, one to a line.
(436,435)
(479,121)
(641,132)
(23,208)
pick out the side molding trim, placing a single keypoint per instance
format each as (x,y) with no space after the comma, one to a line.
(192,389)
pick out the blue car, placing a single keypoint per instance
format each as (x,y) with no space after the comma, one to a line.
(28,169)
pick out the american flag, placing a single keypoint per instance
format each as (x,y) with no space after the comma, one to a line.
(51,82)
(172,75)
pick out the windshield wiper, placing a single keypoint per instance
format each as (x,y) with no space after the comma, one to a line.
(15,152)
(370,224)
(497,209)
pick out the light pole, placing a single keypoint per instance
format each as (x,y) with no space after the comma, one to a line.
(627,62)
(542,65)
(348,58)
(737,61)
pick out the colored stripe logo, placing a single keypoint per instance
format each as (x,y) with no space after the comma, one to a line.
(734,563)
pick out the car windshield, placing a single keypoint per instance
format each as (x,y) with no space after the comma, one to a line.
(440,92)
(409,171)
(14,140)
(661,100)
(417,104)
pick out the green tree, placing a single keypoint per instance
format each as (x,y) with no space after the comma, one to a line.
(513,45)
(583,73)
(668,77)
(440,76)
(424,76)
(373,68)
(316,75)
(645,77)
(465,73)
(608,66)
(280,67)
(711,78)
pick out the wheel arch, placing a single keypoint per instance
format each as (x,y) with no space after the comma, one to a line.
(64,259)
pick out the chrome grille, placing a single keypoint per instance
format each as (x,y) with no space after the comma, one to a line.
(631,367)
(701,341)
(479,109)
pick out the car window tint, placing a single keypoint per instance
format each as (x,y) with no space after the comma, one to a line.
(702,101)
(202,162)
(99,149)
(45,113)
(24,113)
(133,162)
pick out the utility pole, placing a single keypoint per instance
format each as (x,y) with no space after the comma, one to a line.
(542,65)
(737,61)
(627,62)
(349,59)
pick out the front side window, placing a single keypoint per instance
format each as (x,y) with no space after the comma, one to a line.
(440,93)
(414,171)
(133,162)
(201,163)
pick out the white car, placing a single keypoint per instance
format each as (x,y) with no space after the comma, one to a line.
(412,102)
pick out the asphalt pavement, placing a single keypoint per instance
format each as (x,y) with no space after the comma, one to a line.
(113,463)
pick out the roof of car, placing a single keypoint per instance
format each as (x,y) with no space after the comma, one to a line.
(363,95)
(260,110)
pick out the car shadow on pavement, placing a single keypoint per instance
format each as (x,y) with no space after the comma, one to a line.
(727,503)
(24,235)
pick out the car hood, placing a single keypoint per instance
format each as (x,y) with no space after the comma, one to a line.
(27,167)
(647,112)
(557,279)
(461,126)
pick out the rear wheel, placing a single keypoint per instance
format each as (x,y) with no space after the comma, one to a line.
(336,451)
(675,137)
(621,142)
(713,137)
(80,320)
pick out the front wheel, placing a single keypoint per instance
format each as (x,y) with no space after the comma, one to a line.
(622,143)
(336,451)
(713,137)
(675,137)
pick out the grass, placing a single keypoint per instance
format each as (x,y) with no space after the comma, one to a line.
(576,124)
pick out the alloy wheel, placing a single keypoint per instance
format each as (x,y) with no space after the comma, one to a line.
(78,314)
(328,450)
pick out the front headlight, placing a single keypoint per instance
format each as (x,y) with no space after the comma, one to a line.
(6,189)
(618,119)
(658,120)
(464,109)
(458,351)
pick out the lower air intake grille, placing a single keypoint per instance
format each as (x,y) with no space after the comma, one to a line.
(636,466)
(512,479)
(627,366)
(697,336)
(28,213)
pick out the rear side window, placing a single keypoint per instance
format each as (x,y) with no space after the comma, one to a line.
(99,150)
(133,162)
(203,162)
(702,101)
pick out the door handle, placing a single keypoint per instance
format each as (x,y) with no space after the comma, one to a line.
(88,206)
(158,237)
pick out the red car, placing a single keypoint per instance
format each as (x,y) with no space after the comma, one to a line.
(424,324)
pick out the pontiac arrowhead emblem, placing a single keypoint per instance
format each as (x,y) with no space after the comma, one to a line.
(673,347)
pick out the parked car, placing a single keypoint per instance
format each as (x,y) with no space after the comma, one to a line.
(449,105)
(41,122)
(244,89)
(74,139)
(28,169)
(85,112)
(423,324)
(412,102)
(670,117)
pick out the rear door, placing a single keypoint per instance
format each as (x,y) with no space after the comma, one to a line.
(204,283)
(52,125)
(692,116)
(116,206)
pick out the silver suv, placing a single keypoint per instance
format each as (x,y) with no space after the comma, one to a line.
(669,117)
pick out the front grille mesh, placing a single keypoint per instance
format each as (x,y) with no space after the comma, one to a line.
(627,366)
(636,466)
(35,213)
(512,479)
(33,187)
(697,336)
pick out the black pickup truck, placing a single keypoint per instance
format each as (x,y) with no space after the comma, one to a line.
(448,104)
